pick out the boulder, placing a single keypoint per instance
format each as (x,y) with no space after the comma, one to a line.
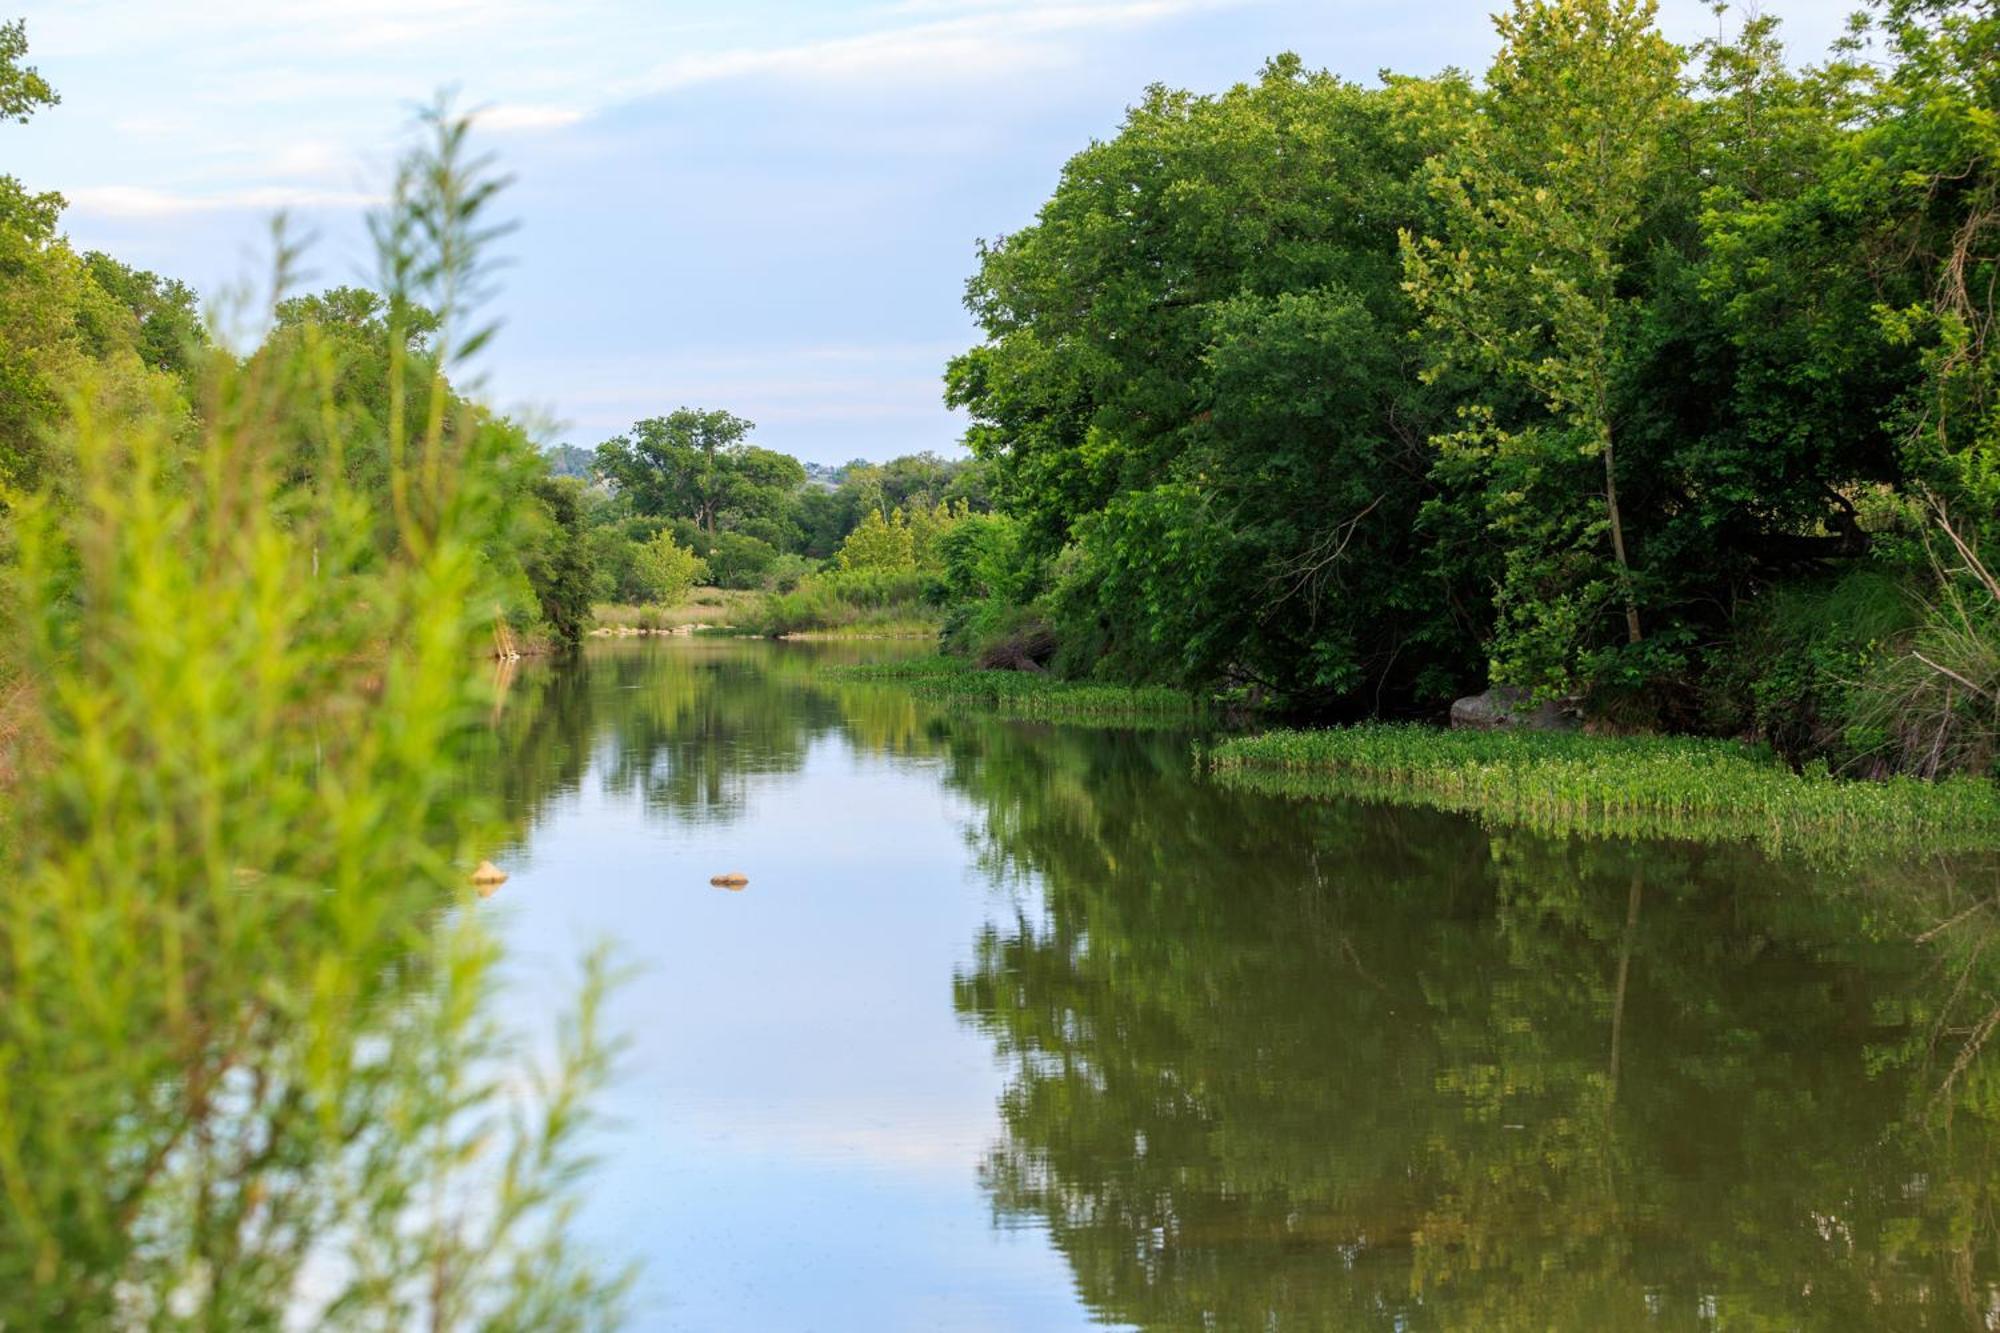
(1509,708)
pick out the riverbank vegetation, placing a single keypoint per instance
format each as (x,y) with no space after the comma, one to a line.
(847,550)
(1620,375)
(251,1074)
(1038,697)
(1646,785)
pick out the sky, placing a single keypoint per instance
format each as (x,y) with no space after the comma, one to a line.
(765,207)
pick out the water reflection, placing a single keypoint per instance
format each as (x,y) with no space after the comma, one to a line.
(1311,1066)
(1264,1064)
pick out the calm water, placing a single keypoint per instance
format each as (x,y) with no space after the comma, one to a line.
(1030,1027)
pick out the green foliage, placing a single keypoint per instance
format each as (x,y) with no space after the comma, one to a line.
(667,570)
(22,89)
(1538,201)
(738,560)
(1355,397)
(861,601)
(250,1073)
(1640,785)
(880,544)
(1198,371)
(1792,672)
(558,565)
(697,465)
(1016,694)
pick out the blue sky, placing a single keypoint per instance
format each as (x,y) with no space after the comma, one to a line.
(765,207)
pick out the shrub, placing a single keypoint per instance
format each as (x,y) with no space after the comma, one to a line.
(739,561)
(878,544)
(249,1079)
(1789,672)
(838,600)
(667,570)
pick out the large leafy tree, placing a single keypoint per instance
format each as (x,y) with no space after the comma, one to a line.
(1523,280)
(1196,374)
(698,465)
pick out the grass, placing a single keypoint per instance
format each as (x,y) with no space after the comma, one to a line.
(1665,786)
(887,627)
(702,606)
(1019,694)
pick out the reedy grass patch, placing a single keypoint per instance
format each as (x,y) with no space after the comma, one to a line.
(1629,786)
(1018,694)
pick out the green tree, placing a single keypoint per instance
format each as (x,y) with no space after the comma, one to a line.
(558,559)
(667,570)
(1197,371)
(881,542)
(62,334)
(697,465)
(1523,281)
(22,89)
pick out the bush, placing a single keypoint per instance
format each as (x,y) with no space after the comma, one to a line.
(739,561)
(1789,672)
(878,544)
(250,1079)
(852,600)
(667,570)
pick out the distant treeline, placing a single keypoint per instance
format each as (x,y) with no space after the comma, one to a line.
(753,517)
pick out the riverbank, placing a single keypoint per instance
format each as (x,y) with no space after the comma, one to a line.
(954,683)
(702,608)
(1653,785)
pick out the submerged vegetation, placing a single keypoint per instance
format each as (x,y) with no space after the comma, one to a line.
(1668,786)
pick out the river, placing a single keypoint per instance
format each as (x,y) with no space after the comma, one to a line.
(1020,1026)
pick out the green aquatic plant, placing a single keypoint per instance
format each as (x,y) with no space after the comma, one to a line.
(1668,786)
(250,1074)
(1019,694)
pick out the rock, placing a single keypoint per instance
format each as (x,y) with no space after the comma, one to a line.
(735,879)
(1509,708)
(487,878)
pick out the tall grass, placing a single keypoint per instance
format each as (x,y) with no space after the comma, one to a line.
(1018,694)
(249,1076)
(1645,785)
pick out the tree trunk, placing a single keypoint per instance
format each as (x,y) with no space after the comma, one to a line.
(1632,634)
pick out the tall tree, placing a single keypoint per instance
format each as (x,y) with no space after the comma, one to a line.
(1538,204)
(696,465)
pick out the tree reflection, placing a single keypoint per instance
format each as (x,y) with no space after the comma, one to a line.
(1321,1065)
(1317,1064)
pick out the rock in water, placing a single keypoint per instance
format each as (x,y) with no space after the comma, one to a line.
(735,879)
(1509,708)
(487,878)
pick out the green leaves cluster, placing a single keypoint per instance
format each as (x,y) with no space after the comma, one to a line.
(1362,396)
(249,1074)
(667,570)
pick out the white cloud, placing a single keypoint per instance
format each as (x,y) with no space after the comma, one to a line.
(986,45)
(512,116)
(139,201)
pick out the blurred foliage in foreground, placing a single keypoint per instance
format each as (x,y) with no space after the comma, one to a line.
(248,1077)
